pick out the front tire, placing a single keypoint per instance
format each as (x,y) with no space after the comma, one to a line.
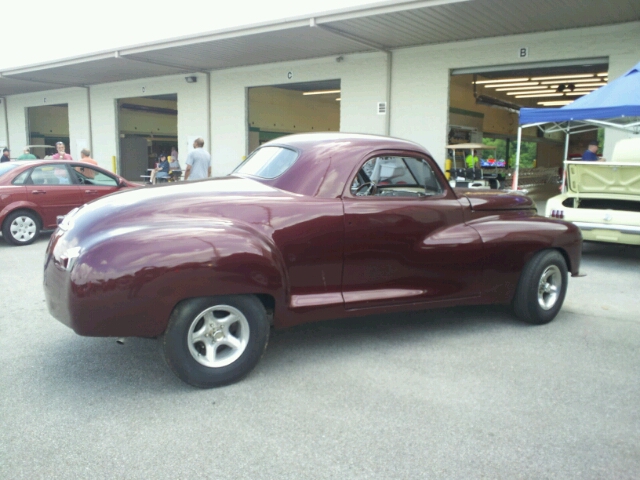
(21,228)
(542,288)
(214,341)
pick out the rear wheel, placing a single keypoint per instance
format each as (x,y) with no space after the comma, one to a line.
(21,228)
(542,288)
(214,341)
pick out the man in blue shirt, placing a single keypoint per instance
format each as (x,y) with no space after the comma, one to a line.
(591,153)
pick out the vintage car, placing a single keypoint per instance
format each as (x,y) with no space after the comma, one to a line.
(603,198)
(33,193)
(310,227)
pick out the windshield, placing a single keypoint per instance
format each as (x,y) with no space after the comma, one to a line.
(268,162)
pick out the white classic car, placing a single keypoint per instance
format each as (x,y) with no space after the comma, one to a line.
(603,198)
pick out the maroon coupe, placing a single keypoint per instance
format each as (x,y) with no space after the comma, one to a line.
(34,193)
(309,227)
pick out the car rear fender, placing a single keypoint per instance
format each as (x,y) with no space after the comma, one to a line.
(129,282)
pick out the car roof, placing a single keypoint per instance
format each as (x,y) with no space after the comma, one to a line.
(326,160)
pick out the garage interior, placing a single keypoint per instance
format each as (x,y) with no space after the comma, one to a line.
(147,127)
(278,110)
(484,105)
(48,124)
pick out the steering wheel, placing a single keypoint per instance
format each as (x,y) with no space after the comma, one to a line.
(367,188)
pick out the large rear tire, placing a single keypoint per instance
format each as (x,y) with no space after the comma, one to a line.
(214,341)
(542,288)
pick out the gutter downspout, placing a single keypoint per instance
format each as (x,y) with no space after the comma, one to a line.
(387,126)
(88,90)
(6,121)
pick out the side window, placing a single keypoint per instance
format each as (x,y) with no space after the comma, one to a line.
(91,176)
(22,178)
(50,175)
(396,177)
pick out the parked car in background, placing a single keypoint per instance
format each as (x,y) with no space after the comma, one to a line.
(603,198)
(34,192)
(310,227)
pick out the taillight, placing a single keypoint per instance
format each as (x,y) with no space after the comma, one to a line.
(557,213)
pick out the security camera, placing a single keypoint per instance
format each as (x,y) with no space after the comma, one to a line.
(191,79)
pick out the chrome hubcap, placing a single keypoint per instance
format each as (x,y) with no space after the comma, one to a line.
(218,336)
(23,228)
(549,287)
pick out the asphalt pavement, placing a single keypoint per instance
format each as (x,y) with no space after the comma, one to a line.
(460,393)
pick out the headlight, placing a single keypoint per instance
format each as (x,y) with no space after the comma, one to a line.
(68,258)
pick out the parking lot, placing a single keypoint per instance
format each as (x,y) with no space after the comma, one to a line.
(455,393)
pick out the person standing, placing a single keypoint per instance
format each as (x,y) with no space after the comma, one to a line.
(5,155)
(198,162)
(85,156)
(27,155)
(591,153)
(61,155)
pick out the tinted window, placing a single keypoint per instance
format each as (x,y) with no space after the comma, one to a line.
(268,162)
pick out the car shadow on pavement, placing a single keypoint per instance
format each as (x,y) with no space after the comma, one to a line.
(101,366)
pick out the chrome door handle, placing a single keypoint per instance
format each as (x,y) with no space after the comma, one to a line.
(90,191)
(36,192)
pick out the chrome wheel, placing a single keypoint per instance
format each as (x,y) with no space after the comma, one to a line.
(23,228)
(218,336)
(549,287)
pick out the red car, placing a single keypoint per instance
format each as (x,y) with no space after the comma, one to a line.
(34,193)
(309,227)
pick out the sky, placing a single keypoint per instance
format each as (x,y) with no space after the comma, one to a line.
(35,31)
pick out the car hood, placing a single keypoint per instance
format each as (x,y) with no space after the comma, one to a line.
(490,200)
(603,177)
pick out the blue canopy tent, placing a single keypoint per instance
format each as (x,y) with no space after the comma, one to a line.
(616,105)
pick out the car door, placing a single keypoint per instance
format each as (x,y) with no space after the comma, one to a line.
(51,186)
(405,237)
(93,183)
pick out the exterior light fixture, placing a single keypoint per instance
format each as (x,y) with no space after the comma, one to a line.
(192,79)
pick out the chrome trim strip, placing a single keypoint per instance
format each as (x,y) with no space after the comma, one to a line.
(599,226)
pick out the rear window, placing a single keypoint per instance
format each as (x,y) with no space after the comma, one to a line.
(268,162)
(6,166)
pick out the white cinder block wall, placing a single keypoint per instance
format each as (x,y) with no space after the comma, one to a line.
(362,83)
(420,81)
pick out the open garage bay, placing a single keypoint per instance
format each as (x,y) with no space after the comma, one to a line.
(456,393)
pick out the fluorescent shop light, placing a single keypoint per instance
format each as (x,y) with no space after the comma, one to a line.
(556,103)
(502,80)
(596,85)
(558,77)
(531,92)
(579,80)
(511,89)
(338,99)
(604,74)
(540,95)
(576,94)
(320,92)
(519,84)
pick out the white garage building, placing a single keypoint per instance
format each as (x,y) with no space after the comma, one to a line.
(390,67)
